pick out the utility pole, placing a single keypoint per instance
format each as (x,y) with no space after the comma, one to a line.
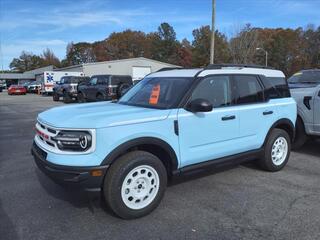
(212,31)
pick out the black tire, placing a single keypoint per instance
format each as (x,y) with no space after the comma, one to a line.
(80,98)
(266,161)
(123,87)
(100,97)
(301,136)
(55,97)
(66,97)
(116,176)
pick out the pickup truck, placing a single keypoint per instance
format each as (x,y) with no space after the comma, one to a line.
(305,89)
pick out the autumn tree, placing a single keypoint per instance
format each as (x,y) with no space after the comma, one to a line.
(127,44)
(79,53)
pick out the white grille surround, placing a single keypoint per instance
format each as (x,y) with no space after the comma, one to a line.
(50,145)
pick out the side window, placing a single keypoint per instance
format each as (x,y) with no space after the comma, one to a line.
(101,80)
(66,80)
(275,87)
(249,89)
(93,81)
(216,89)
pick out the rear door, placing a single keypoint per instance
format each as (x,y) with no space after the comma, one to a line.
(210,135)
(255,114)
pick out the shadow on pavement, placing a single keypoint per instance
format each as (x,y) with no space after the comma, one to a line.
(7,230)
(311,148)
(78,198)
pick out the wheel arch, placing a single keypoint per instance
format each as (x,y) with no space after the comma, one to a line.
(284,124)
(156,146)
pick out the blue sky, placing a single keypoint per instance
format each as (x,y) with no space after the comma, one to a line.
(38,24)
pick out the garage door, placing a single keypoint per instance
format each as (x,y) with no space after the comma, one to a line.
(140,72)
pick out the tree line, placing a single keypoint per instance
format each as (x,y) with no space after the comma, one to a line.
(289,50)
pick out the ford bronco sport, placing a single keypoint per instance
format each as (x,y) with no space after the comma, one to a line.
(170,123)
(104,87)
(68,88)
(305,89)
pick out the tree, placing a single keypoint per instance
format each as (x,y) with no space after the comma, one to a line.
(26,61)
(201,47)
(244,44)
(49,58)
(79,53)
(164,45)
(127,44)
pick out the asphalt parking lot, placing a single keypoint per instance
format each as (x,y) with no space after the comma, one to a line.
(242,202)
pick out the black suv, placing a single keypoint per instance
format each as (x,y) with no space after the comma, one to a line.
(104,87)
(68,88)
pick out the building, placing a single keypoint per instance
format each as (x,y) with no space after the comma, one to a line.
(15,78)
(137,68)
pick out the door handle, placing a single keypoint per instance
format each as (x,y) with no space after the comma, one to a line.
(267,112)
(226,118)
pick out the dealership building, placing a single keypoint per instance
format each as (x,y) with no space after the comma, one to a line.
(137,68)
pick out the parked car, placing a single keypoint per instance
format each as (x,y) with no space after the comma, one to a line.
(68,88)
(34,87)
(172,122)
(305,89)
(16,89)
(104,87)
(26,84)
(1,88)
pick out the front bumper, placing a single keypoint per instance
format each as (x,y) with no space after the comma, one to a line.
(85,178)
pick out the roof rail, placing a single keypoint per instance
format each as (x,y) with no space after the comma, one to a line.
(169,68)
(219,66)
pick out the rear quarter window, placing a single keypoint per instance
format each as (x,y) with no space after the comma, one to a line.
(276,87)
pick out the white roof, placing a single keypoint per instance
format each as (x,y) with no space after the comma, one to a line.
(223,70)
(176,73)
(243,70)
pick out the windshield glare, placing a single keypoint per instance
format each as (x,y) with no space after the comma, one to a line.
(158,92)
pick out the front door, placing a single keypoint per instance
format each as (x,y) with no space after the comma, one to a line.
(316,112)
(210,135)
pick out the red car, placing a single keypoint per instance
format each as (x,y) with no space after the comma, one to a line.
(17,89)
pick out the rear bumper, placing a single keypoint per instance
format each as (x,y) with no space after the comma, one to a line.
(69,176)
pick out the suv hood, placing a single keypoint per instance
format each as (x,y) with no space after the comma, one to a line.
(99,115)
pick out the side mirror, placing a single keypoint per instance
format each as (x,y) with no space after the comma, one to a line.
(199,105)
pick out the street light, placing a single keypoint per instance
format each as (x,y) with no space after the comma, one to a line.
(265,53)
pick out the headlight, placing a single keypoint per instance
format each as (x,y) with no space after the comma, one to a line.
(78,141)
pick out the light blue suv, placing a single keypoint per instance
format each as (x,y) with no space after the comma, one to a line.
(172,122)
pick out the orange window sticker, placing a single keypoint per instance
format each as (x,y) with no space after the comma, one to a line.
(154,97)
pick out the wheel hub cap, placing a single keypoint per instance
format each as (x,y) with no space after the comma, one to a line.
(279,151)
(140,187)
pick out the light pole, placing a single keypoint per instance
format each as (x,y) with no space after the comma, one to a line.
(212,31)
(265,53)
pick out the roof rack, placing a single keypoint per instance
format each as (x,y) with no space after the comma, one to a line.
(169,68)
(219,66)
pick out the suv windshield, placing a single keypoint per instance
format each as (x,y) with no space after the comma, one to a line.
(158,92)
(305,77)
(78,79)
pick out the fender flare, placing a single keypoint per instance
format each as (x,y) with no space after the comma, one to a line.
(282,121)
(122,148)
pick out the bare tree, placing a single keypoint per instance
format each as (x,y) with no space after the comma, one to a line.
(243,44)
